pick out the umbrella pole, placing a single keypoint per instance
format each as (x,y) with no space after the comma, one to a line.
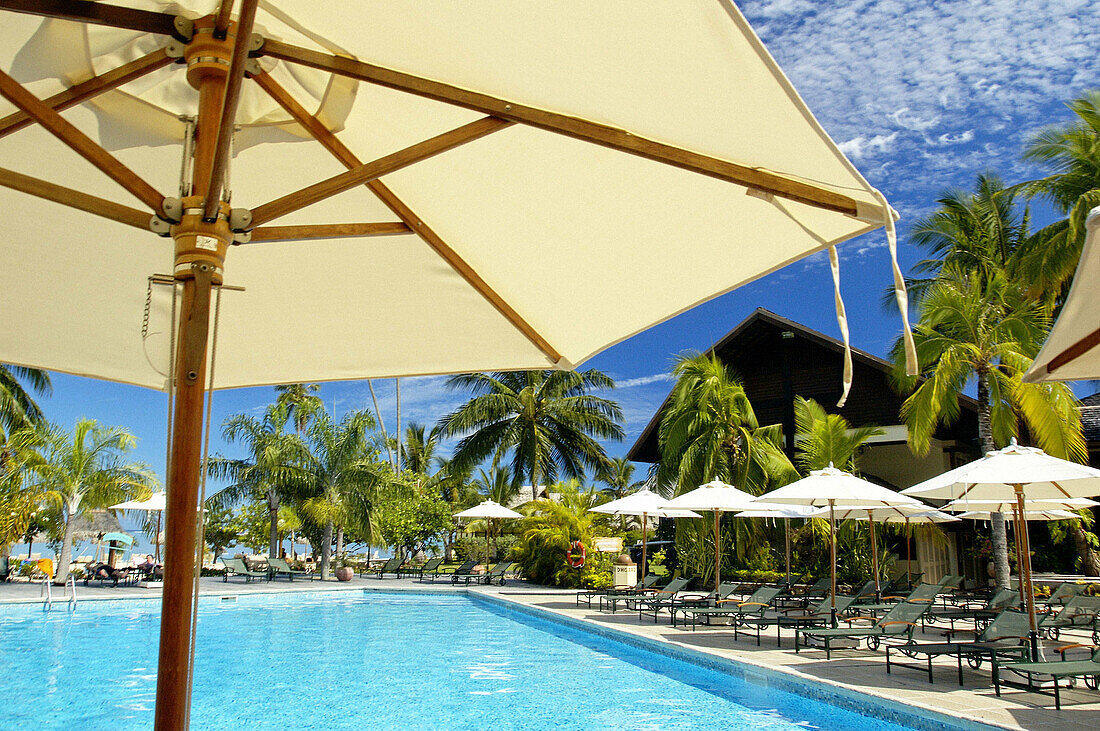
(908,553)
(1025,574)
(717,550)
(645,531)
(874,557)
(1019,552)
(156,541)
(832,559)
(787,539)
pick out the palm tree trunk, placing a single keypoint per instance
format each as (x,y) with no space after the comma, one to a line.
(273,514)
(326,550)
(996,520)
(61,572)
(340,541)
(1090,562)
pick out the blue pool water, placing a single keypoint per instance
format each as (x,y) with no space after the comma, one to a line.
(372,661)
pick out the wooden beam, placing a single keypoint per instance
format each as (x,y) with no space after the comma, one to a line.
(376,169)
(83,145)
(232,97)
(328,231)
(222,16)
(582,129)
(73,199)
(1075,351)
(89,89)
(341,152)
(95,13)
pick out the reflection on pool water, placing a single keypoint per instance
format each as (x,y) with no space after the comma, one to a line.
(371,660)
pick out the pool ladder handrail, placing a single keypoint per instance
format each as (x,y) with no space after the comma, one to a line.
(48,589)
(71,582)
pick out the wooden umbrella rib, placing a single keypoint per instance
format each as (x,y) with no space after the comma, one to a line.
(600,134)
(372,170)
(83,145)
(341,152)
(96,13)
(228,115)
(329,231)
(89,89)
(1075,351)
(221,17)
(74,199)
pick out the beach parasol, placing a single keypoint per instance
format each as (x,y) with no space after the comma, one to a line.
(646,504)
(587,136)
(717,497)
(828,488)
(786,512)
(1015,473)
(488,510)
(155,502)
(1072,349)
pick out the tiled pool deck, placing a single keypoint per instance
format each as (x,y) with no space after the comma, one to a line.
(849,670)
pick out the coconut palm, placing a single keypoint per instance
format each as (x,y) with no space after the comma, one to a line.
(85,470)
(300,402)
(258,476)
(17,408)
(336,476)
(1072,153)
(548,529)
(419,451)
(827,439)
(548,420)
(618,475)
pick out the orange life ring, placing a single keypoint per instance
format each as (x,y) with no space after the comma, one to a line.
(575,556)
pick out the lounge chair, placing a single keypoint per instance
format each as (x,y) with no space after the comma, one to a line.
(237,567)
(639,602)
(1079,612)
(1003,599)
(646,583)
(1056,670)
(439,571)
(1058,598)
(418,571)
(279,567)
(898,623)
(685,600)
(923,594)
(478,578)
(820,615)
(753,613)
(817,591)
(735,609)
(496,574)
(865,594)
(392,566)
(1005,636)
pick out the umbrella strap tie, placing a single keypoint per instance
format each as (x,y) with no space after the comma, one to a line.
(842,321)
(901,296)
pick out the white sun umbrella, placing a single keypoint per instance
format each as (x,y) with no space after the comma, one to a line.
(1015,473)
(830,487)
(786,512)
(488,510)
(1007,506)
(155,502)
(1072,349)
(646,504)
(717,497)
(461,125)
(1038,514)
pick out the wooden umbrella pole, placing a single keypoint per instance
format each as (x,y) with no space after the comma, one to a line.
(874,556)
(645,531)
(787,538)
(1025,574)
(908,553)
(832,558)
(1019,553)
(717,550)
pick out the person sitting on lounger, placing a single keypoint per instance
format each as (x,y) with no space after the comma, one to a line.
(108,572)
(148,565)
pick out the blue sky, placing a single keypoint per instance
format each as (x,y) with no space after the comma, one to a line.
(921,96)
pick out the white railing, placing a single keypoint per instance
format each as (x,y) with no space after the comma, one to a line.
(48,590)
(72,598)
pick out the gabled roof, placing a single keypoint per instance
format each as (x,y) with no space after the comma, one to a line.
(1090,417)
(758,351)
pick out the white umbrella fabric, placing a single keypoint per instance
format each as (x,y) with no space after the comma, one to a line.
(786,512)
(717,497)
(644,503)
(1072,349)
(155,502)
(831,487)
(1007,506)
(663,122)
(488,510)
(1015,473)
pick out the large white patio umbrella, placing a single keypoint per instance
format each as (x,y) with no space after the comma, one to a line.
(775,512)
(717,497)
(1015,473)
(1072,349)
(828,488)
(646,504)
(155,502)
(1007,506)
(507,165)
(489,510)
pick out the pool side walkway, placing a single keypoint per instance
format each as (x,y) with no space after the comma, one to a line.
(859,670)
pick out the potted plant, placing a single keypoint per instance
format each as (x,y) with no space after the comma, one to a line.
(343,571)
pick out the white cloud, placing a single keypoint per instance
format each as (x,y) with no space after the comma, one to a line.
(859,147)
(643,380)
(961,138)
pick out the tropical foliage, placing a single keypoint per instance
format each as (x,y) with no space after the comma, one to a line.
(550,527)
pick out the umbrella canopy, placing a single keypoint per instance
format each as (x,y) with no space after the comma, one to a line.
(1049,514)
(1072,349)
(459,125)
(647,504)
(996,475)
(1006,506)
(719,498)
(488,509)
(887,513)
(154,502)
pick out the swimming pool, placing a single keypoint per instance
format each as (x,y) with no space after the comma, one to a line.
(373,660)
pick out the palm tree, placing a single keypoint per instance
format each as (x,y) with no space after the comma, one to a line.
(17,408)
(259,476)
(826,439)
(988,332)
(336,477)
(1072,153)
(618,475)
(85,470)
(300,403)
(548,529)
(419,451)
(548,420)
